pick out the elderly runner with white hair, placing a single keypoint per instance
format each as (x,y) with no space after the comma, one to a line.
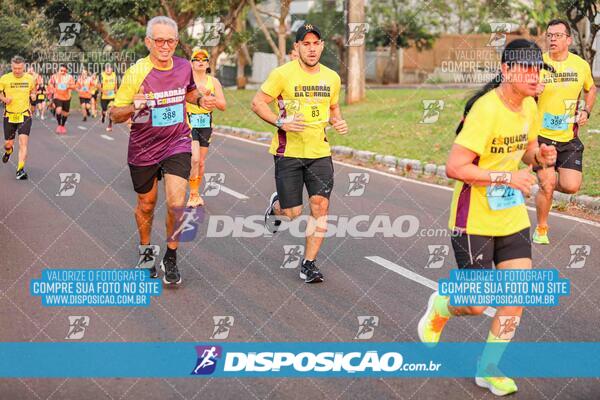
(153,94)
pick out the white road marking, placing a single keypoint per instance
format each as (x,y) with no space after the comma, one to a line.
(402,178)
(234,193)
(83,128)
(413,276)
(107,137)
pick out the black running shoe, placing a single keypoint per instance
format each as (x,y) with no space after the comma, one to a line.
(6,156)
(21,174)
(84,118)
(103,117)
(148,254)
(271,221)
(310,272)
(169,267)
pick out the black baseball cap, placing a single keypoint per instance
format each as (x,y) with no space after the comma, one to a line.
(524,52)
(306,29)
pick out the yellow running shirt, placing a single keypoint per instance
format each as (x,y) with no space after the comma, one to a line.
(109,85)
(298,92)
(18,89)
(499,137)
(557,103)
(193,108)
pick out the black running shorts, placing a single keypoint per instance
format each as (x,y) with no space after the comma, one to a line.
(202,135)
(10,129)
(64,104)
(143,177)
(104,104)
(569,154)
(292,174)
(483,252)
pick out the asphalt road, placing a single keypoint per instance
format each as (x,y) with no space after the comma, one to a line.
(242,277)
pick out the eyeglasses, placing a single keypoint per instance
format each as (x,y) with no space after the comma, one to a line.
(559,35)
(161,42)
(200,59)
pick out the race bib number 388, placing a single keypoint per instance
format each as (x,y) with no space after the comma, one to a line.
(167,116)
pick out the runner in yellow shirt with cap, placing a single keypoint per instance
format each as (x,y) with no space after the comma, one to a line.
(201,122)
(306,95)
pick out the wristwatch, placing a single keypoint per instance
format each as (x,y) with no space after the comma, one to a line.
(587,112)
(279,122)
(199,98)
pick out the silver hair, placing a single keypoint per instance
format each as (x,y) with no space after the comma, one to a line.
(161,20)
(17,60)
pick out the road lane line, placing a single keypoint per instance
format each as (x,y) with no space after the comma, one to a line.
(413,276)
(402,178)
(233,193)
(83,128)
(107,137)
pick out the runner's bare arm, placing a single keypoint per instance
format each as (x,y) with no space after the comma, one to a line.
(219,96)
(460,166)
(590,99)
(33,92)
(260,106)
(336,120)
(121,114)
(194,95)
(541,156)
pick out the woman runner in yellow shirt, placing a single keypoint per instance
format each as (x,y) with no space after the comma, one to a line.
(200,121)
(488,216)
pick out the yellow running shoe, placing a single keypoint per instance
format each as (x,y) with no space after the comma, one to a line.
(498,385)
(540,235)
(432,322)
(195,200)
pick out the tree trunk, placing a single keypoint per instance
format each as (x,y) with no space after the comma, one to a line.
(282,31)
(264,29)
(355,77)
(390,74)
(235,10)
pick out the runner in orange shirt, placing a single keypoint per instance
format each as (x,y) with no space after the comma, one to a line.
(84,90)
(62,83)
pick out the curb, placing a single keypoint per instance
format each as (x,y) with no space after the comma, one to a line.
(406,166)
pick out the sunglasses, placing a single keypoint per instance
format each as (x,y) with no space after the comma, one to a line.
(200,59)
